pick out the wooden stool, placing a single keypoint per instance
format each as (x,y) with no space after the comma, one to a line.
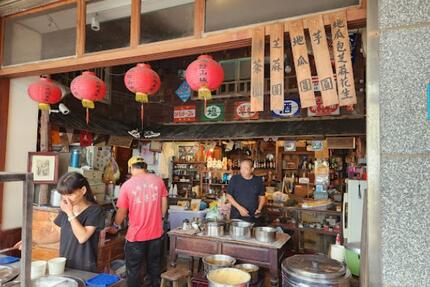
(174,275)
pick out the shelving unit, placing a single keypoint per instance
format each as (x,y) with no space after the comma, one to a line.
(186,175)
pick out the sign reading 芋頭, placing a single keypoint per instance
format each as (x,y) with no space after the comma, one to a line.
(301,63)
(342,55)
(257,70)
(322,60)
(276,67)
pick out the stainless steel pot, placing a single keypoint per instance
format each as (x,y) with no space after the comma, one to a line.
(217,261)
(215,228)
(228,277)
(251,269)
(240,229)
(265,234)
(314,271)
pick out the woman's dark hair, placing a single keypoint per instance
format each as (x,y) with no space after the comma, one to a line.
(140,165)
(72,181)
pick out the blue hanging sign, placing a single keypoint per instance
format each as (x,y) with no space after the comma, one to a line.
(184,91)
(291,109)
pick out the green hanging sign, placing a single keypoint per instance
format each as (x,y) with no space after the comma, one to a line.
(213,113)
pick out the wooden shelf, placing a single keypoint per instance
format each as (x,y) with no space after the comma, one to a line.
(314,210)
(215,184)
(189,162)
(299,152)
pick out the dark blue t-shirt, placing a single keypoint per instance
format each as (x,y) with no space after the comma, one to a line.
(246,193)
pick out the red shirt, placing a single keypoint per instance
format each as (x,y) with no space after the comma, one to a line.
(141,195)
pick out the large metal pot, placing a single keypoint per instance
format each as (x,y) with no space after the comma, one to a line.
(251,269)
(265,234)
(228,277)
(314,271)
(240,229)
(215,228)
(217,261)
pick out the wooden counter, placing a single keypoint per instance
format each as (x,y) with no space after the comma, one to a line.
(266,255)
(44,226)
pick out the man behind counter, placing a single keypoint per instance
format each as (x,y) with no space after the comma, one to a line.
(246,193)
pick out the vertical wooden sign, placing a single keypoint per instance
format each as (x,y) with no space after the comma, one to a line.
(301,63)
(257,70)
(322,60)
(276,67)
(342,55)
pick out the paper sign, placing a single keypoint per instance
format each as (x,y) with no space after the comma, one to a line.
(257,70)
(319,110)
(301,63)
(184,114)
(242,111)
(276,67)
(322,60)
(342,55)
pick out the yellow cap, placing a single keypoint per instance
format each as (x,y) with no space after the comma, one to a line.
(135,159)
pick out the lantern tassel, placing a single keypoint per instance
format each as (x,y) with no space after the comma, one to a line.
(141,115)
(88,104)
(204,93)
(44,107)
(87,117)
(142,98)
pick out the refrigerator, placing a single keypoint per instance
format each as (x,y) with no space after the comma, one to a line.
(353,210)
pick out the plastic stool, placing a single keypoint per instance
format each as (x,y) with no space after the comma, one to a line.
(174,275)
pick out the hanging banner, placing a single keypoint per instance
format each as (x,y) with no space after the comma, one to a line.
(319,110)
(301,63)
(276,67)
(291,109)
(322,60)
(242,111)
(257,70)
(342,55)
(212,113)
(183,114)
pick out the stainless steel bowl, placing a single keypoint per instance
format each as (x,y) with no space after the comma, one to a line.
(240,229)
(251,269)
(265,234)
(217,261)
(228,277)
(7,273)
(215,228)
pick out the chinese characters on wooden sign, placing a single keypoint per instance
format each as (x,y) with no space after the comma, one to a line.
(301,63)
(322,60)
(342,54)
(257,70)
(276,67)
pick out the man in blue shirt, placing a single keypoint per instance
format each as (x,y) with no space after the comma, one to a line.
(246,193)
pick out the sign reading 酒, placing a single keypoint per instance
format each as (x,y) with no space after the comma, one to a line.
(301,63)
(342,55)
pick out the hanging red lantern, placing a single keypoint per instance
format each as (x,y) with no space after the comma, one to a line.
(45,92)
(143,81)
(204,75)
(88,88)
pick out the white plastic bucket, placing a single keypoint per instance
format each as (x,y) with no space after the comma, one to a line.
(38,269)
(56,265)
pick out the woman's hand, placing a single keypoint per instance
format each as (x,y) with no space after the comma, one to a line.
(67,206)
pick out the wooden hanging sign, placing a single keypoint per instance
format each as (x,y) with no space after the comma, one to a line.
(322,60)
(276,67)
(301,63)
(342,55)
(257,70)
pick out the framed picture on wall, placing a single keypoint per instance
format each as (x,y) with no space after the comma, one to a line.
(44,166)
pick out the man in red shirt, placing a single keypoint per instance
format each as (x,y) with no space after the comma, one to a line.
(144,199)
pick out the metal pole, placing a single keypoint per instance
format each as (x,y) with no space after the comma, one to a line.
(27,218)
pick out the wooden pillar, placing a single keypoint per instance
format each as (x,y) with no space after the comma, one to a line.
(44,147)
(4,108)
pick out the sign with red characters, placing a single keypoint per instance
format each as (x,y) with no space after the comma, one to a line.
(242,111)
(319,110)
(184,114)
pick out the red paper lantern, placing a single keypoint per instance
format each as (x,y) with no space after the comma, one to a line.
(142,81)
(204,75)
(88,88)
(45,92)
